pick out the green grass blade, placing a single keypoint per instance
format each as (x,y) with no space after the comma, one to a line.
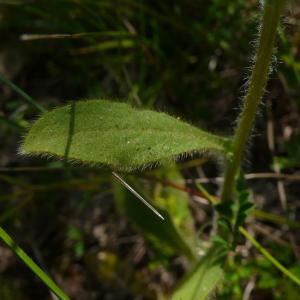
(11,124)
(116,134)
(269,256)
(25,96)
(32,265)
(265,215)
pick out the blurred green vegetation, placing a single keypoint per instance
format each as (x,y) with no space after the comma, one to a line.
(188,58)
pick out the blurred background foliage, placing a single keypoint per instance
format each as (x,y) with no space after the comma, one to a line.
(188,58)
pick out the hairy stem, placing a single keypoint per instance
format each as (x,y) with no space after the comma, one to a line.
(271,15)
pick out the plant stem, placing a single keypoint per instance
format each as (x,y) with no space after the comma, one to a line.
(271,16)
(32,265)
(269,256)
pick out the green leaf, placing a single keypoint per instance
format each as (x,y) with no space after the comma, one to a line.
(225,209)
(174,201)
(116,134)
(244,204)
(163,231)
(202,282)
(218,240)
